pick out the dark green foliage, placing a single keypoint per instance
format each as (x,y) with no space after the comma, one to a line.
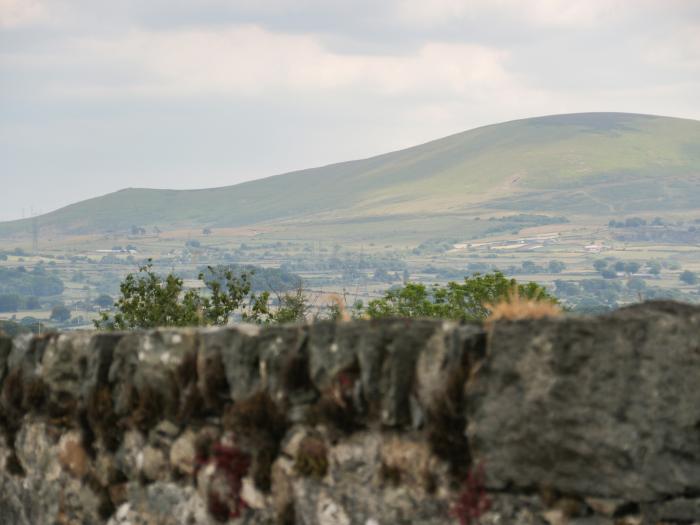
(274,280)
(23,282)
(632,267)
(60,313)
(632,222)
(461,301)
(104,301)
(32,303)
(556,266)
(9,302)
(600,265)
(654,267)
(292,308)
(149,300)
(636,284)
(688,277)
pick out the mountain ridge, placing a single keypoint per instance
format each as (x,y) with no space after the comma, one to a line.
(580,163)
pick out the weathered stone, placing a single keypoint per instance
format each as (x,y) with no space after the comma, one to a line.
(153,464)
(605,507)
(5,349)
(237,349)
(599,407)
(684,510)
(595,410)
(182,453)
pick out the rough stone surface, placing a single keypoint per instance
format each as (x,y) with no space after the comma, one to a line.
(571,421)
(606,407)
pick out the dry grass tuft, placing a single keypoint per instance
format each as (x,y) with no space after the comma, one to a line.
(343,314)
(515,307)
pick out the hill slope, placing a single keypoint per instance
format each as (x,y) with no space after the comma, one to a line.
(588,163)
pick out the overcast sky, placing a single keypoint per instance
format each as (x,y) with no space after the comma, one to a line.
(99,95)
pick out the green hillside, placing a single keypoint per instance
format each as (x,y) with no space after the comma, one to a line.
(583,164)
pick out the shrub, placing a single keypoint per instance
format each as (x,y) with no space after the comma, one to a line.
(460,301)
(60,313)
(689,277)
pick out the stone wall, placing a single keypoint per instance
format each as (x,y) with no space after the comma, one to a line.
(588,421)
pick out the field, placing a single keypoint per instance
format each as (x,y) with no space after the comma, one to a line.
(360,270)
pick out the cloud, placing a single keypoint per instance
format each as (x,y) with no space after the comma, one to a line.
(19,13)
(249,60)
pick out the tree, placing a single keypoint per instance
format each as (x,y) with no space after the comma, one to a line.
(293,308)
(632,267)
(60,313)
(654,267)
(689,277)
(148,300)
(636,284)
(465,301)
(600,265)
(32,303)
(556,266)
(104,300)
(9,302)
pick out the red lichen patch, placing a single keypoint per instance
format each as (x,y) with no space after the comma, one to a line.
(231,465)
(472,501)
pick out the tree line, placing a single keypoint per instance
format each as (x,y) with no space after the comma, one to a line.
(149,300)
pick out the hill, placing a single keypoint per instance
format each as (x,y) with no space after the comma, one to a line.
(577,164)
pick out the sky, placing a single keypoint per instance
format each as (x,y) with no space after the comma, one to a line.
(100,95)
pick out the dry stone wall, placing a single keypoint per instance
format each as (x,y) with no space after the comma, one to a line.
(587,421)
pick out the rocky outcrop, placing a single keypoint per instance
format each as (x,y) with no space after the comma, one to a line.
(569,420)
